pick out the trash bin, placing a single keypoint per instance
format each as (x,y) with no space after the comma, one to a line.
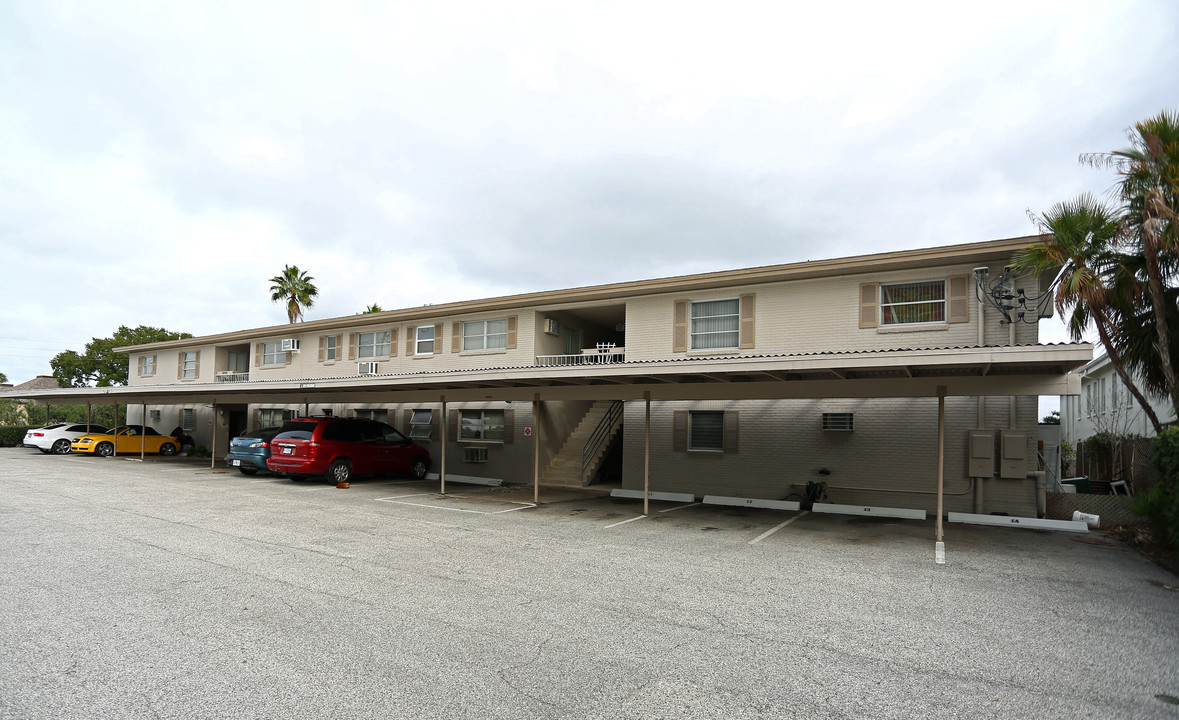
(1080,483)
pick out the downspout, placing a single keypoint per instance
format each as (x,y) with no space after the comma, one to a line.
(536,449)
(982,415)
(442,467)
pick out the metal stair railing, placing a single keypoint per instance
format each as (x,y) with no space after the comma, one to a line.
(599,436)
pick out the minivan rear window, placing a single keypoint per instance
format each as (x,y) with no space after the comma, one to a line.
(294,435)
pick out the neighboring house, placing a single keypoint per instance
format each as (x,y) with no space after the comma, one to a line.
(742,383)
(1105,405)
(41,382)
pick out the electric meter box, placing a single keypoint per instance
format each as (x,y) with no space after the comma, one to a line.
(982,454)
(1014,461)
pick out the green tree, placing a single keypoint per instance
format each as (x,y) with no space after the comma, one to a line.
(293,287)
(1082,241)
(3,378)
(99,365)
(1149,187)
(374,308)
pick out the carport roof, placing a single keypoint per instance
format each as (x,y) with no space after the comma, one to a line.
(966,371)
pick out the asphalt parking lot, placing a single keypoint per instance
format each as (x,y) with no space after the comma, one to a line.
(167,589)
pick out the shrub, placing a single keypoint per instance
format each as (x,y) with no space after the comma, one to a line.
(12,435)
(1160,504)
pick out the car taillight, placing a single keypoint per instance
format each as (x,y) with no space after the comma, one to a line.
(259,444)
(36,434)
(312,448)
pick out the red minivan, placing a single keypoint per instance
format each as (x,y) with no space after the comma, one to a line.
(338,448)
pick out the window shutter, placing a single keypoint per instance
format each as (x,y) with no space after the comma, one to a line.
(747,326)
(509,427)
(322,347)
(456,423)
(958,310)
(511,332)
(140,366)
(180,366)
(287,357)
(196,372)
(411,335)
(259,348)
(353,338)
(868,315)
(408,416)
(730,434)
(679,431)
(438,339)
(679,338)
(392,342)
(456,336)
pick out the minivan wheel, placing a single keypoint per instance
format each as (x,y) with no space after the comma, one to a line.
(419,468)
(339,472)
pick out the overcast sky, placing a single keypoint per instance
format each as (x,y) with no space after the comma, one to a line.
(160,161)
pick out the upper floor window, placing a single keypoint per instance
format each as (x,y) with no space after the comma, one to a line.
(272,354)
(716,324)
(147,365)
(188,365)
(374,344)
(329,347)
(424,340)
(485,335)
(918,302)
(237,362)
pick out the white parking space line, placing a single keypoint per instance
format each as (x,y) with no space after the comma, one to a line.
(397,499)
(625,521)
(678,507)
(773,530)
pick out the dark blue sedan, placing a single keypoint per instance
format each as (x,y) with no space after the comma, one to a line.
(248,452)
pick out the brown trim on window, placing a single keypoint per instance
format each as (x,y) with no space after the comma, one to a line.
(456,336)
(731,426)
(679,327)
(509,426)
(393,342)
(957,303)
(322,347)
(869,294)
(748,314)
(679,431)
(511,339)
(353,339)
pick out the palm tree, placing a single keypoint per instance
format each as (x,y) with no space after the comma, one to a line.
(1083,239)
(1150,189)
(374,308)
(294,287)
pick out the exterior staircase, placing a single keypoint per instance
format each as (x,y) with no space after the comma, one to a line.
(585,446)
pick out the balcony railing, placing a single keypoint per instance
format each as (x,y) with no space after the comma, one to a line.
(604,354)
(233,377)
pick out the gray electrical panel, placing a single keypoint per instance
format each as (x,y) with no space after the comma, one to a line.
(982,453)
(1014,461)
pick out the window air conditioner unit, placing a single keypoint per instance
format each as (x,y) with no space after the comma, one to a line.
(290,345)
(839,421)
(475,454)
(552,327)
(366,368)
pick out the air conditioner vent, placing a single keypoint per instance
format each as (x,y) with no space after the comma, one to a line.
(366,368)
(842,422)
(475,454)
(290,345)
(552,327)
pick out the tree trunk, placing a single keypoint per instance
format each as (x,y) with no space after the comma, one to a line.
(1150,250)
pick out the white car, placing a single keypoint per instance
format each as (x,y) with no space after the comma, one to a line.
(56,438)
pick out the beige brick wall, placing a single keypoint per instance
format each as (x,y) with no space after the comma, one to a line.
(782,447)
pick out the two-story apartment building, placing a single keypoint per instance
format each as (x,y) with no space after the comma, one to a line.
(1105,405)
(744,382)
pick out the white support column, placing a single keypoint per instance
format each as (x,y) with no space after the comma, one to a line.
(213,442)
(647,453)
(940,545)
(536,449)
(442,465)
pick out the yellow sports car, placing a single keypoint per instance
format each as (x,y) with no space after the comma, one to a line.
(129,440)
